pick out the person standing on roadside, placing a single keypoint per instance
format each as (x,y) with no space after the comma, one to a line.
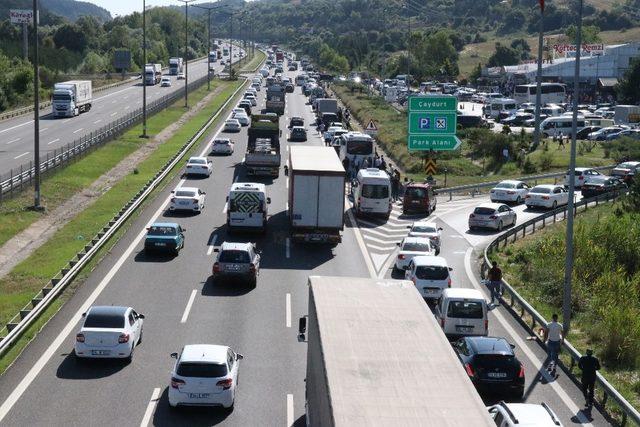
(589,365)
(495,282)
(395,184)
(554,338)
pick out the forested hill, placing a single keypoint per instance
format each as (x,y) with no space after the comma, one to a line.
(69,9)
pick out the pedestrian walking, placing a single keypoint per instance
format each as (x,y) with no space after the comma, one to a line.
(376,162)
(383,164)
(589,365)
(495,282)
(321,128)
(554,338)
(395,184)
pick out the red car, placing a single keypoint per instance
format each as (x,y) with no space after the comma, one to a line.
(419,198)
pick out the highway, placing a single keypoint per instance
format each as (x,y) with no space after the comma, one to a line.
(47,387)
(16,134)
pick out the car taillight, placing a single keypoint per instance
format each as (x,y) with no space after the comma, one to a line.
(80,337)
(123,338)
(449,282)
(492,191)
(401,256)
(545,197)
(521,373)
(472,216)
(442,322)
(511,192)
(225,384)
(469,369)
(194,200)
(203,167)
(486,324)
(527,196)
(176,383)
(216,267)
(252,268)
(493,217)
(580,177)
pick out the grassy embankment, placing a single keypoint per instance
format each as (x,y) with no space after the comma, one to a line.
(606,287)
(475,161)
(19,286)
(254,62)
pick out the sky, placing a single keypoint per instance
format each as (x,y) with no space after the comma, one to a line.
(126,7)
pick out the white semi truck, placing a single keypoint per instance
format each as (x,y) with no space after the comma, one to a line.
(316,194)
(152,74)
(175,66)
(71,98)
(377,357)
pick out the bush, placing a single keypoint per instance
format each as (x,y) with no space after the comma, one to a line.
(528,167)
(545,161)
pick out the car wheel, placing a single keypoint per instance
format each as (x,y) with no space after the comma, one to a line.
(129,358)
(555,205)
(140,337)
(253,282)
(518,200)
(499,226)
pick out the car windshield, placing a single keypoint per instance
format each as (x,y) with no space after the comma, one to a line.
(424,272)
(221,142)
(184,193)
(201,370)
(156,230)
(60,97)
(597,180)
(484,211)
(418,193)
(234,256)
(104,320)
(375,191)
(198,161)
(541,190)
(416,247)
(423,229)
(465,310)
(506,185)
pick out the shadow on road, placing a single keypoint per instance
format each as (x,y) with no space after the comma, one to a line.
(165,415)
(75,368)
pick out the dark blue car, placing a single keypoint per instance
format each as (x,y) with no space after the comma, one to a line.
(164,237)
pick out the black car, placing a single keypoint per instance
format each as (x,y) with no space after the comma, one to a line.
(517,119)
(298,133)
(602,184)
(296,121)
(491,365)
(289,88)
(584,132)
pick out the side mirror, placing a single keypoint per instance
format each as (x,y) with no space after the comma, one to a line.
(239,356)
(227,199)
(184,229)
(173,191)
(513,346)
(216,249)
(450,268)
(141,316)
(302,327)
(398,244)
(204,193)
(440,228)
(84,314)
(148,228)
(174,355)
(268,200)
(409,227)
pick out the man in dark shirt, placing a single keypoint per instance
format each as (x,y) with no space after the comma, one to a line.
(495,282)
(590,365)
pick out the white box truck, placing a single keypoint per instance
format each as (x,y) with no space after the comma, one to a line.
(71,98)
(316,194)
(627,114)
(377,357)
(152,74)
(175,66)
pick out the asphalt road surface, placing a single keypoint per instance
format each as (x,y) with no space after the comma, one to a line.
(47,387)
(16,135)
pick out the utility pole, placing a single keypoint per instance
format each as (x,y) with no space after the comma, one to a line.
(536,129)
(230,44)
(144,63)
(568,269)
(36,112)
(186,61)
(208,9)
(408,46)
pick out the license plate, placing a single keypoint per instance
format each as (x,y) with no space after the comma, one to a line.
(199,395)
(416,202)
(430,291)
(497,374)
(500,193)
(317,237)
(464,328)
(100,352)
(161,244)
(183,203)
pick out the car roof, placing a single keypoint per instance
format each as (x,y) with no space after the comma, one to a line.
(489,345)
(490,205)
(424,224)
(112,310)
(463,293)
(531,414)
(235,246)
(423,240)
(165,224)
(256,186)
(511,181)
(419,184)
(298,128)
(551,186)
(204,353)
(187,189)
(431,260)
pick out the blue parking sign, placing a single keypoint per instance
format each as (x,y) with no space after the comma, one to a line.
(425,123)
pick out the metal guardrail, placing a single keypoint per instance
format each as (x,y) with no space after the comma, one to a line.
(21,321)
(16,179)
(520,306)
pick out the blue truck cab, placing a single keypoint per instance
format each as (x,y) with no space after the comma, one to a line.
(164,237)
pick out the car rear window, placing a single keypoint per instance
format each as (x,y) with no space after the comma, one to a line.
(432,272)
(578,173)
(104,320)
(540,190)
(484,211)
(506,185)
(598,180)
(423,229)
(234,256)
(465,310)
(161,231)
(221,142)
(418,193)
(373,191)
(186,193)
(198,161)
(417,247)
(488,345)
(202,370)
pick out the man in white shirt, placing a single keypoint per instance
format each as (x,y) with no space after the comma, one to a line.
(554,338)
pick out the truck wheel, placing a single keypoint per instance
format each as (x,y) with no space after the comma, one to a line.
(76,112)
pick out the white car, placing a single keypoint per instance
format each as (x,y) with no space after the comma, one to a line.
(430,275)
(199,166)
(411,247)
(492,215)
(256,86)
(165,81)
(528,414)
(204,375)
(547,196)
(109,332)
(242,118)
(509,191)
(251,97)
(582,175)
(232,125)
(187,199)
(251,91)
(222,146)
(427,229)
(181,76)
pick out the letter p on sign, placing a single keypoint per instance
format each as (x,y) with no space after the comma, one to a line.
(425,123)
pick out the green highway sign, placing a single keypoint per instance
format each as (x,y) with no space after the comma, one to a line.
(432,123)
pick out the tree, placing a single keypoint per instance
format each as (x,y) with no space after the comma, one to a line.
(70,36)
(590,34)
(504,55)
(628,88)
(476,73)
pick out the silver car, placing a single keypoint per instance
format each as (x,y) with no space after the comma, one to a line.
(237,261)
(492,215)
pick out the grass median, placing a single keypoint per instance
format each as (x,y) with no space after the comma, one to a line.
(254,63)
(26,279)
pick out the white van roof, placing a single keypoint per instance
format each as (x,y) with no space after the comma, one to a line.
(462,293)
(248,186)
(372,173)
(430,260)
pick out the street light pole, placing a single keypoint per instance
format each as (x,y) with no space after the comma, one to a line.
(144,63)
(186,60)
(36,112)
(536,129)
(568,269)
(208,9)
(230,45)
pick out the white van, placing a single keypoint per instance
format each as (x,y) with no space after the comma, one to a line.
(501,105)
(462,312)
(372,193)
(430,274)
(560,124)
(247,206)
(301,79)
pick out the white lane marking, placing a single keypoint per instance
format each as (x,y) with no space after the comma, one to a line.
(125,97)
(289,410)
(126,107)
(114,101)
(77,130)
(288,247)
(187,309)
(21,155)
(381,248)
(226,206)
(14,140)
(151,406)
(16,126)
(43,129)
(113,114)
(55,140)
(235,179)
(210,250)
(212,245)
(523,346)
(97,121)
(288,310)
(361,244)
(286,183)
(65,121)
